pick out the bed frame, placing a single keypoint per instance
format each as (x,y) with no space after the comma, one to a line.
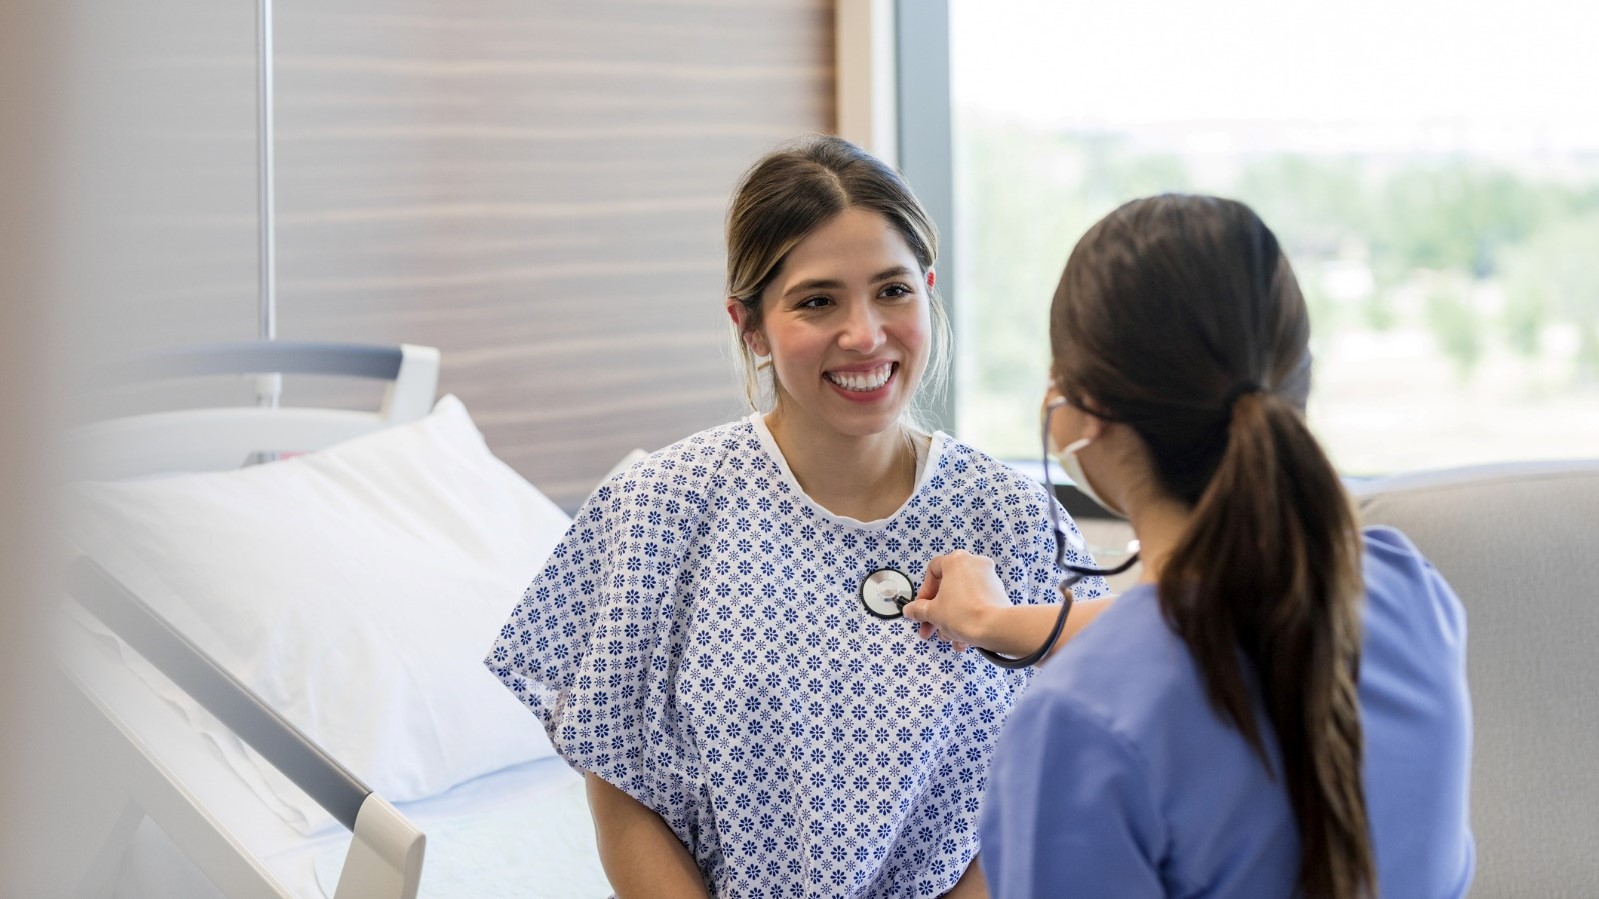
(223,438)
(386,851)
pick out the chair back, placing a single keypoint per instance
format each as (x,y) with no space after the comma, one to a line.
(1519,543)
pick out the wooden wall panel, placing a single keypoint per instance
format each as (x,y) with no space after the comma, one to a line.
(157,188)
(537,188)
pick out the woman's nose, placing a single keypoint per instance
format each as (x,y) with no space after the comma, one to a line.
(863,330)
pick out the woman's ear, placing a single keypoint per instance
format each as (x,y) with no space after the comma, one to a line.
(1093,424)
(932,278)
(1051,391)
(752,338)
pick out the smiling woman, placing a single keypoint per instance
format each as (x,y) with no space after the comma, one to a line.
(793,196)
(848,341)
(830,279)
(701,644)
(837,313)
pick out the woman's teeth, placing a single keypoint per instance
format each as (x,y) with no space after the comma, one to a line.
(863,381)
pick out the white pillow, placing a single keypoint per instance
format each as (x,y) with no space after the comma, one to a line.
(353,588)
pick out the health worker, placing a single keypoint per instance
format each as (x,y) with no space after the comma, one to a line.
(1279,706)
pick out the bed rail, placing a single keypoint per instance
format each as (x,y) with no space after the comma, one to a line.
(332,785)
(385,856)
(224,438)
(350,360)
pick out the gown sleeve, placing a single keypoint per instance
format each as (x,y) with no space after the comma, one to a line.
(1069,810)
(1035,554)
(1077,554)
(594,644)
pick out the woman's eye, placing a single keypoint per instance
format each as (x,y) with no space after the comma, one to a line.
(896,291)
(814,302)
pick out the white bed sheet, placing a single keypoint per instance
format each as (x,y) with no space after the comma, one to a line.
(538,847)
(511,805)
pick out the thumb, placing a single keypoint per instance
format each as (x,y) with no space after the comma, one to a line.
(916,609)
(931,580)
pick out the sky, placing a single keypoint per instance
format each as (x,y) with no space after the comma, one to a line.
(1485,76)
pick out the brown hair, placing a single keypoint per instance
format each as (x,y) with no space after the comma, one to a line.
(1180,317)
(792,191)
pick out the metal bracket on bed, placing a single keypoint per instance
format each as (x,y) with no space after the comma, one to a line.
(385,856)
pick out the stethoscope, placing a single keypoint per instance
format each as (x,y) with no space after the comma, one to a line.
(887,591)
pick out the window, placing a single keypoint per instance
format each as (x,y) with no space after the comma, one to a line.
(1432,172)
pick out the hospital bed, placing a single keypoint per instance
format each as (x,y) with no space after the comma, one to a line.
(275,669)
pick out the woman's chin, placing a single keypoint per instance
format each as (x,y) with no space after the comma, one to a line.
(864,420)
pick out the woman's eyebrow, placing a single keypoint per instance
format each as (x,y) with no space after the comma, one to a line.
(898,271)
(815,284)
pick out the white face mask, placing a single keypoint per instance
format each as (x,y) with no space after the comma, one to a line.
(1067,456)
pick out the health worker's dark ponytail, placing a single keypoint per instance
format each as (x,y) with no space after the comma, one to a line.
(1180,317)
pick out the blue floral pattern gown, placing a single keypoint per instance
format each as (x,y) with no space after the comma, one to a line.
(697,639)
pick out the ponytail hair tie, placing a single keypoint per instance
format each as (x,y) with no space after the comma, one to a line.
(1238,390)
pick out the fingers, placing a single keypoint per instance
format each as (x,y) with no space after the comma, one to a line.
(926,630)
(919,611)
(933,578)
(938,615)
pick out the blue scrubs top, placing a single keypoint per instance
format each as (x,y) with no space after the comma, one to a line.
(1114,777)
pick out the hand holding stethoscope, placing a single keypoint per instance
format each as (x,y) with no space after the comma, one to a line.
(962,600)
(961,596)
(964,613)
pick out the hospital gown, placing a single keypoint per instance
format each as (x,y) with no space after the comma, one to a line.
(697,639)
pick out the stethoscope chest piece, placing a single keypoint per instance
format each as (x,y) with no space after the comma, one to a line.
(886,591)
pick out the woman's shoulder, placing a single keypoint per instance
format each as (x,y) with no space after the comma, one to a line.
(675,479)
(1388,547)
(1393,565)
(1124,680)
(1129,675)
(1405,593)
(1128,649)
(963,466)
(694,458)
(712,443)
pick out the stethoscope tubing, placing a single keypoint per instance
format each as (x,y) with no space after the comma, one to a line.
(888,603)
(1078,573)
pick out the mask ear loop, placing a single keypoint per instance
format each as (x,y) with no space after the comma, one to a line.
(1078,572)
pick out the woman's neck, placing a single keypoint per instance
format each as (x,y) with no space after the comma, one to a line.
(865,478)
(1159,523)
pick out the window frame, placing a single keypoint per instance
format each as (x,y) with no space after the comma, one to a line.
(894,98)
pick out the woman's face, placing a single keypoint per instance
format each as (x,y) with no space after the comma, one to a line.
(847,323)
